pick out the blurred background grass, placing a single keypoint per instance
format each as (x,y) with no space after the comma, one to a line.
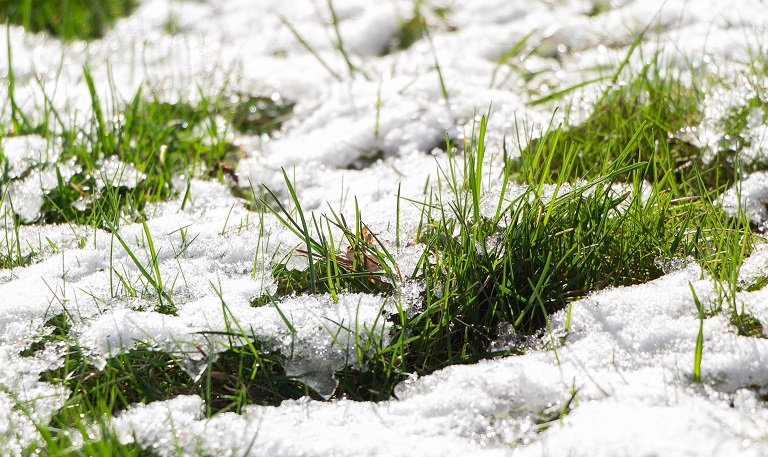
(67,19)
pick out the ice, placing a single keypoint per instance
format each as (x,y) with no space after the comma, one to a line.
(112,172)
(749,197)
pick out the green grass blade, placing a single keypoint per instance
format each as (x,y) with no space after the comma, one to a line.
(305,231)
(309,48)
(699,338)
(160,291)
(509,54)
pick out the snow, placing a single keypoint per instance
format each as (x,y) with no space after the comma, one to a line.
(624,365)
(634,395)
(113,172)
(32,167)
(319,345)
(749,197)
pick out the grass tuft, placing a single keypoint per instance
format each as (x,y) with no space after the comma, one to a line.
(67,19)
(652,105)
(128,157)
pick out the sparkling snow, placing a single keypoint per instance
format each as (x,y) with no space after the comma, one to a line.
(625,363)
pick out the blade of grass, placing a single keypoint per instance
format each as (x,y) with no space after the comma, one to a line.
(352,68)
(309,48)
(162,294)
(699,338)
(509,54)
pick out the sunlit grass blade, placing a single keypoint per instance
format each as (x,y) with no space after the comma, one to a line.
(508,55)
(169,307)
(309,48)
(699,337)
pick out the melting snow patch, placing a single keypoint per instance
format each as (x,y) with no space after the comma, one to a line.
(323,336)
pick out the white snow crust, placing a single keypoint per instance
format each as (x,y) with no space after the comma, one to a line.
(623,367)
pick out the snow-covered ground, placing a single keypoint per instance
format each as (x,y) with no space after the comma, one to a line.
(627,359)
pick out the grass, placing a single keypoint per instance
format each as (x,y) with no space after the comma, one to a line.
(514,263)
(520,259)
(157,139)
(605,203)
(366,266)
(588,205)
(67,19)
(11,256)
(653,106)
(699,338)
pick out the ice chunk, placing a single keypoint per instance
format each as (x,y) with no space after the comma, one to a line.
(749,196)
(25,152)
(115,173)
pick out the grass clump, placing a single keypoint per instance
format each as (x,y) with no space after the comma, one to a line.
(156,139)
(138,376)
(366,266)
(129,157)
(67,19)
(234,379)
(653,105)
(544,255)
(521,259)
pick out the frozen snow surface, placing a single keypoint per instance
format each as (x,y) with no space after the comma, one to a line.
(622,370)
